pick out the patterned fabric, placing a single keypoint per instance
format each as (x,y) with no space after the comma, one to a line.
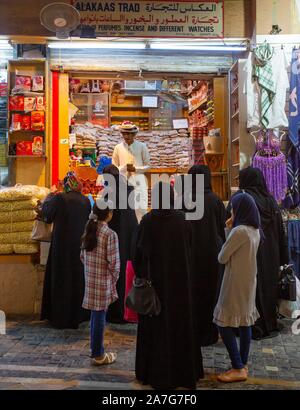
(263,74)
(72,183)
(101,270)
(292,199)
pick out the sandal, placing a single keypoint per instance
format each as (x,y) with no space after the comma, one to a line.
(233,376)
(108,358)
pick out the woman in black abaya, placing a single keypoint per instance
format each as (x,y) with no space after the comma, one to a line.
(208,236)
(64,278)
(166,354)
(272,253)
(124,223)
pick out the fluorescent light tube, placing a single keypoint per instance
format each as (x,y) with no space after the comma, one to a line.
(194,47)
(98,45)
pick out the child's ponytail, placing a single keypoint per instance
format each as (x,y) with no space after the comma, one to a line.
(89,239)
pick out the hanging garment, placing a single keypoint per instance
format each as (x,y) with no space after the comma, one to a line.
(263,74)
(292,199)
(294,245)
(272,162)
(276,115)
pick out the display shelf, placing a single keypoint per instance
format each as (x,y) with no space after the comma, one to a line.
(237,122)
(27,156)
(198,106)
(90,105)
(196,88)
(28,94)
(26,131)
(130,116)
(37,169)
(75,94)
(124,107)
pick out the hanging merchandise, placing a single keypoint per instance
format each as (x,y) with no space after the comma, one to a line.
(266,85)
(272,162)
(294,244)
(292,199)
(263,74)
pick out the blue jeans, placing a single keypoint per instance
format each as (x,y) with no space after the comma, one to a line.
(97,332)
(239,358)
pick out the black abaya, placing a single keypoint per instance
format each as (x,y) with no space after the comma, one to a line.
(124,223)
(64,279)
(166,353)
(207,241)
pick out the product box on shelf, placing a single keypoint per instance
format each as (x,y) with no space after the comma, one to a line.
(26,122)
(38,120)
(40,103)
(16,103)
(24,148)
(22,83)
(38,83)
(3,89)
(29,103)
(16,124)
(37,146)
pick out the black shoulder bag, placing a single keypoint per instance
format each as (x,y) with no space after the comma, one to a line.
(143,298)
(287,286)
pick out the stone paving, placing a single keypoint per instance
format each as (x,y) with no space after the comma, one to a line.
(35,356)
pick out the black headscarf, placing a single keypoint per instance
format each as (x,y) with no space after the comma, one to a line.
(121,184)
(253,182)
(161,191)
(201,170)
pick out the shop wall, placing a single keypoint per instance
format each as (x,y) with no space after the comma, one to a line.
(285,13)
(19,19)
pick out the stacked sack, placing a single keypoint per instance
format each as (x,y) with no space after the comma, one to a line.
(17,215)
(170,149)
(85,142)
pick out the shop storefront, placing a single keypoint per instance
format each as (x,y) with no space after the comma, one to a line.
(194,103)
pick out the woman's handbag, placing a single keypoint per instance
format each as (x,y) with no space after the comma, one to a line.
(41,231)
(142,298)
(287,286)
(129,314)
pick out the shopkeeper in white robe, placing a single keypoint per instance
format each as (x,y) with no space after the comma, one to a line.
(133,160)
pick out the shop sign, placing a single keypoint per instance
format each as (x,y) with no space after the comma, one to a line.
(143,18)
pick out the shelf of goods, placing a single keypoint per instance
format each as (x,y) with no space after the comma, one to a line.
(168,149)
(3,133)
(130,107)
(201,117)
(17,215)
(27,120)
(92,107)
(238,137)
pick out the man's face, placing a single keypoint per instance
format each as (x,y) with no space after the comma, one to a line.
(128,137)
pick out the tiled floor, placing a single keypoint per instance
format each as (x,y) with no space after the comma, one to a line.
(35,356)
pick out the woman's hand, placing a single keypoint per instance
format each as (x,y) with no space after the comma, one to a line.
(229,223)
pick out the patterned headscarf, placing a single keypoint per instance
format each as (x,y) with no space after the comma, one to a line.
(72,183)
